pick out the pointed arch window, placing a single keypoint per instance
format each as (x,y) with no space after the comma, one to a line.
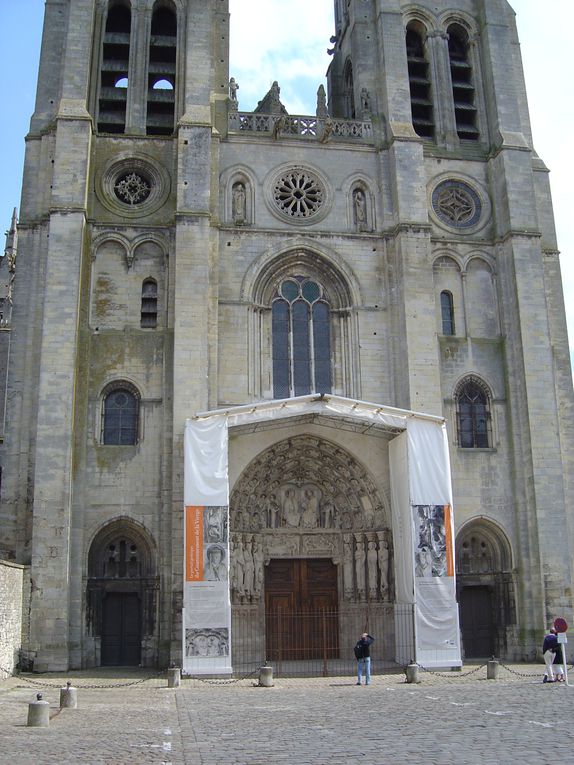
(419,84)
(447,312)
(114,69)
(349,91)
(301,339)
(463,91)
(120,415)
(473,415)
(162,71)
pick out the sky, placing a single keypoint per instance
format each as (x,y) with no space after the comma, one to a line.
(286,40)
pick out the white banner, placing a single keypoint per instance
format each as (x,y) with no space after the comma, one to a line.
(207,607)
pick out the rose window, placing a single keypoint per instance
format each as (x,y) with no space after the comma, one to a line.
(298,194)
(132,189)
(456,204)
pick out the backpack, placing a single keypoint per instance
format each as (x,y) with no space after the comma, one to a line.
(358,651)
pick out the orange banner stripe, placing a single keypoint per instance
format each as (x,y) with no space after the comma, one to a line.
(193,543)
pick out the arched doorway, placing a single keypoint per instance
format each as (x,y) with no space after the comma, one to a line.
(121,596)
(310,551)
(485,589)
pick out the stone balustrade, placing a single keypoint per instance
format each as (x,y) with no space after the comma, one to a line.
(294,125)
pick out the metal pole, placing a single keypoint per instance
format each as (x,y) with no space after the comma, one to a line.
(325,669)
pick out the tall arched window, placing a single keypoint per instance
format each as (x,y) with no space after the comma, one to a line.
(120,415)
(447,312)
(114,71)
(473,415)
(463,92)
(419,83)
(161,71)
(301,339)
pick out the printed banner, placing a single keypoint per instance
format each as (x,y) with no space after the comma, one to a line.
(436,612)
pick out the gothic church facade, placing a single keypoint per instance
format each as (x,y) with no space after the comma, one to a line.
(178,255)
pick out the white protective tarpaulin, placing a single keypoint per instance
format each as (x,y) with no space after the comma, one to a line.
(421,499)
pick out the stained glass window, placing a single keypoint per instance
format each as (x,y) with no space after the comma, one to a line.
(301,339)
(473,416)
(120,417)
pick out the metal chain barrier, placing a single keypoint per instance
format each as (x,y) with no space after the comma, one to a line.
(451,675)
(517,673)
(223,681)
(101,686)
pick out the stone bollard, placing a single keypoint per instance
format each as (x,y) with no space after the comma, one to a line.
(38,713)
(266,677)
(413,673)
(173,677)
(492,669)
(69,696)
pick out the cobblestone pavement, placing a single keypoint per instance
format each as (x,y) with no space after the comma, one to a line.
(460,718)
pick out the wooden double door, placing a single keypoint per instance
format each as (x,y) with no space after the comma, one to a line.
(476,622)
(301,609)
(121,629)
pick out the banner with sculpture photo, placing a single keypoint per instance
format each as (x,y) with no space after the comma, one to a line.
(207,609)
(436,615)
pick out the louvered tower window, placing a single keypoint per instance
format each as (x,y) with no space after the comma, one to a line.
(114,72)
(161,72)
(463,91)
(149,304)
(301,339)
(419,83)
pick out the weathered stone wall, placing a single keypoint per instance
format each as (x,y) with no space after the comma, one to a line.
(14,584)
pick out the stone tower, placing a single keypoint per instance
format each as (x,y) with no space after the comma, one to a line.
(178,255)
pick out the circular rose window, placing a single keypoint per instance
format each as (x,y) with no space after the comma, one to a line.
(457,204)
(132,188)
(298,193)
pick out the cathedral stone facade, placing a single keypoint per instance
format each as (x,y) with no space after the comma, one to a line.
(178,255)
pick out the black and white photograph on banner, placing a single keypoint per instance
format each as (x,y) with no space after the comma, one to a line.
(215,524)
(215,563)
(430,541)
(207,642)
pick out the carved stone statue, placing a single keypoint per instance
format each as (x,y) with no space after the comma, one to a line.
(328,128)
(360,209)
(383,555)
(273,511)
(238,204)
(365,103)
(233,88)
(248,570)
(322,111)
(372,559)
(310,516)
(291,513)
(360,567)
(236,573)
(258,563)
(348,566)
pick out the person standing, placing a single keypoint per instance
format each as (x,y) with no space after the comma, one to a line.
(549,651)
(363,656)
(558,664)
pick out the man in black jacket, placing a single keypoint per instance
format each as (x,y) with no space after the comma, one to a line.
(363,655)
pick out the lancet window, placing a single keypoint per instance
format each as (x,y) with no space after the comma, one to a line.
(419,84)
(120,415)
(473,415)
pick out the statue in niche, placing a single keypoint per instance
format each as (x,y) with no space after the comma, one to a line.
(360,567)
(360,209)
(238,203)
(383,555)
(348,566)
(372,560)
(310,515)
(365,103)
(258,563)
(248,570)
(291,513)
(272,512)
(236,565)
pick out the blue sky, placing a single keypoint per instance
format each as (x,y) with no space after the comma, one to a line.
(286,40)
